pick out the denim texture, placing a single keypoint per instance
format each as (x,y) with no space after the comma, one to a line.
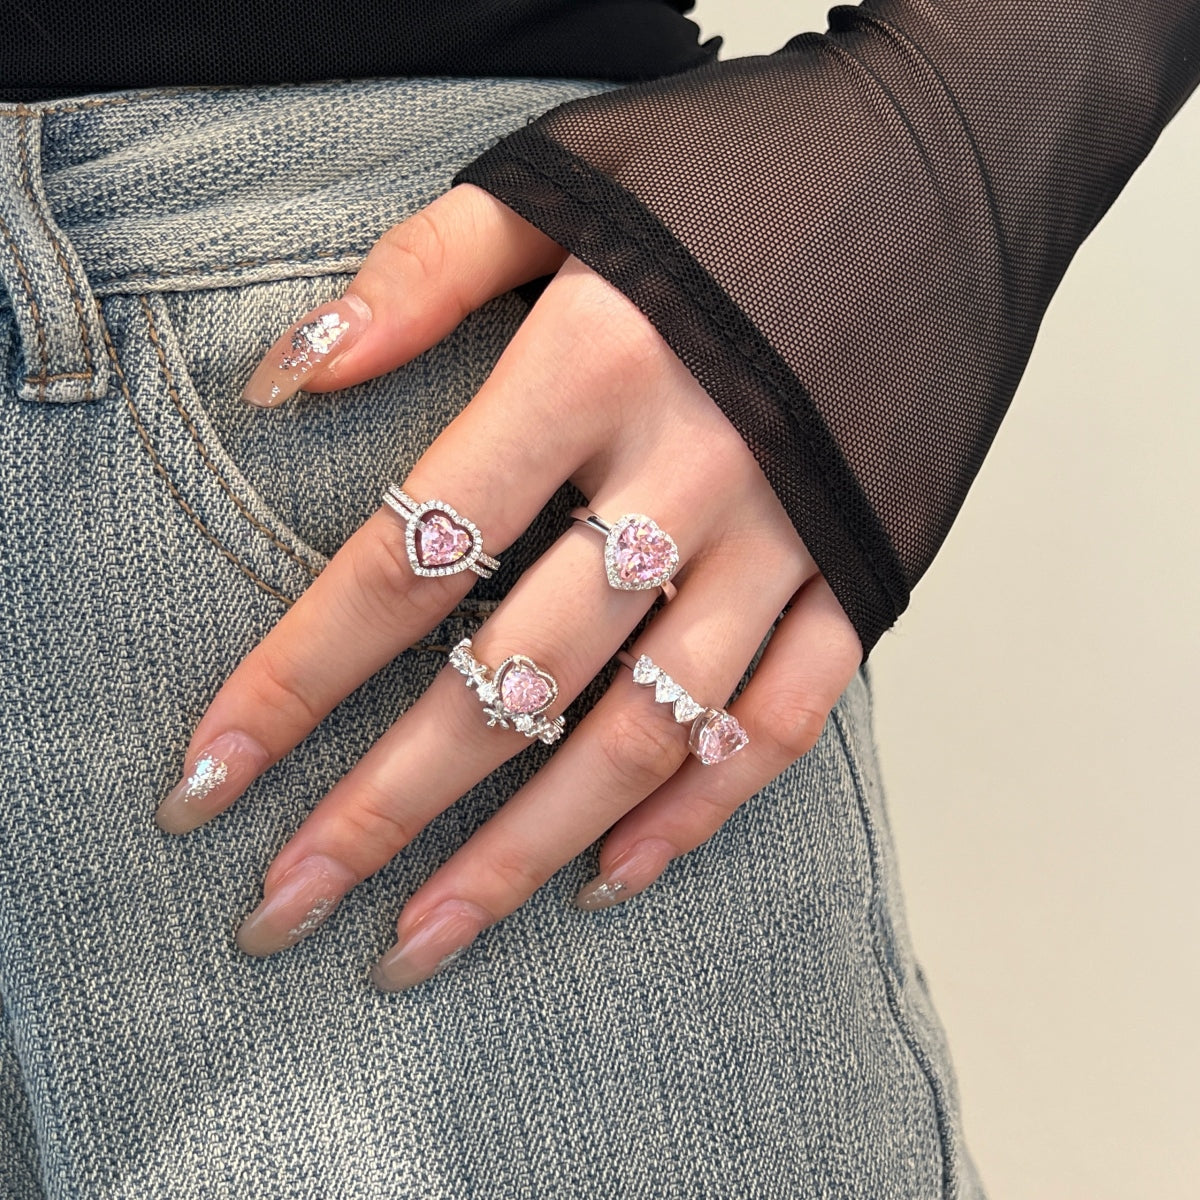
(753,1026)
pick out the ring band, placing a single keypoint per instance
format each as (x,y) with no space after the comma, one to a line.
(715,734)
(438,540)
(638,553)
(514,696)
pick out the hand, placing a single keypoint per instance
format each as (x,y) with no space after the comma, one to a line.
(586,390)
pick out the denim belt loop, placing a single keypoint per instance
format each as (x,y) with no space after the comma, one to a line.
(59,327)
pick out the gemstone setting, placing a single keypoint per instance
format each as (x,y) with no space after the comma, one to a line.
(515,696)
(716,735)
(639,554)
(439,541)
(523,688)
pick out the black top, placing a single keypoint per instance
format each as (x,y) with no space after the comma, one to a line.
(54,48)
(851,242)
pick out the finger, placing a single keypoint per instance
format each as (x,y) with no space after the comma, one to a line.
(418,282)
(442,746)
(809,662)
(624,749)
(367,605)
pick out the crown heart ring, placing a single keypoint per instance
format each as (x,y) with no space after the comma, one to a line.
(515,695)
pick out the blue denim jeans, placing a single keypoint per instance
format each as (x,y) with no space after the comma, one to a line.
(753,1026)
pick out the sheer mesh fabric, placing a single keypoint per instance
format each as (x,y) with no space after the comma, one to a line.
(851,242)
(56,48)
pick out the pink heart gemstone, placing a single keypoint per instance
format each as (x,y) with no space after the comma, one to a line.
(440,541)
(525,689)
(716,737)
(645,555)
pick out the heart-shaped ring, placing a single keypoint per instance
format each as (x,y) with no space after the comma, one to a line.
(638,552)
(515,695)
(438,540)
(524,689)
(715,734)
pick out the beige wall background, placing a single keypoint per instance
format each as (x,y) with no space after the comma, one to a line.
(1036,717)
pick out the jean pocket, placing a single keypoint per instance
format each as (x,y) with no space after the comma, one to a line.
(278,491)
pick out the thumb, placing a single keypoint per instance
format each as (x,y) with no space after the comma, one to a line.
(418,282)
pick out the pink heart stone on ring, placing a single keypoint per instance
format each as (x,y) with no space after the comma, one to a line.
(440,541)
(639,553)
(523,688)
(716,736)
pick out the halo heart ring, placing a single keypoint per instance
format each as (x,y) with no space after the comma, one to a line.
(638,553)
(438,540)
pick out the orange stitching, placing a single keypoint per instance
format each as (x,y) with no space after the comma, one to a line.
(27,183)
(203,449)
(27,284)
(161,471)
(60,375)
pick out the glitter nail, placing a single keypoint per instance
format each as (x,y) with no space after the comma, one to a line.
(314,338)
(315,916)
(209,773)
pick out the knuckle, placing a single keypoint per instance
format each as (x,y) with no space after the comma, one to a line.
(709,810)
(416,247)
(640,749)
(278,690)
(516,877)
(378,823)
(788,725)
(612,335)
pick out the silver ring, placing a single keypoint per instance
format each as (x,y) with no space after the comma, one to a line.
(639,553)
(515,695)
(715,734)
(438,540)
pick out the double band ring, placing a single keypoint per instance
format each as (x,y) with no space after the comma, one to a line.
(515,695)
(438,540)
(715,734)
(638,553)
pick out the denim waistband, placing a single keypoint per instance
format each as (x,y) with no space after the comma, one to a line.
(185,188)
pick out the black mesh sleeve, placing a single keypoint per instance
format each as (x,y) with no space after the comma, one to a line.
(851,242)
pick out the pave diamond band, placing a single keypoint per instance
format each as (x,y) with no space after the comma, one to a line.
(638,553)
(437,539)
(515,695)
(715,734)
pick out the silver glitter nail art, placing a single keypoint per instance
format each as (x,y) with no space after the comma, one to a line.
(603,895)
(609,890)
(315,338)
(209,773)
(313,918)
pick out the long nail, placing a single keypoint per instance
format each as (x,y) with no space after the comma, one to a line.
(435,942)
(212,780)
(629,873)
(315,340)
(301,902)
